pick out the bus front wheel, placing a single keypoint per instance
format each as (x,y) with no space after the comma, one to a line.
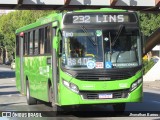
(30,100)
(120,107)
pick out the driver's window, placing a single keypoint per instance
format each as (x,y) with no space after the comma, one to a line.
(60,43)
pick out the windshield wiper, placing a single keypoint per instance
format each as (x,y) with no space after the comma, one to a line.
(85,31)
(110,46)
(118,34)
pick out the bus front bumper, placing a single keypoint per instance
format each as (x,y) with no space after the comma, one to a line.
(68,97)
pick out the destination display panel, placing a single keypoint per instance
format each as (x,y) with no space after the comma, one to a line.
(99,18)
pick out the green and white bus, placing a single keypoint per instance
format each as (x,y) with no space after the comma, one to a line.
(84,57)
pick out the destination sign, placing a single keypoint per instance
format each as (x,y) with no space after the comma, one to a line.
(99,18)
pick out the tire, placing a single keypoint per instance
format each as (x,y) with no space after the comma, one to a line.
(30,100)
(51,96)
(120,107)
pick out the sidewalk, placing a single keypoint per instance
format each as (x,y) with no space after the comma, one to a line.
(152,84)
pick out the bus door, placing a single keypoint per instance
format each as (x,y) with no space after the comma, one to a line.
(55,73)
(19,63)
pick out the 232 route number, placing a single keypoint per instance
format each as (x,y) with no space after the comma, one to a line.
(81,19)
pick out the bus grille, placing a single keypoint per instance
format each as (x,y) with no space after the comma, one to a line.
(95,95)
(104,76)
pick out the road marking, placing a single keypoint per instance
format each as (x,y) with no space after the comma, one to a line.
(156,102)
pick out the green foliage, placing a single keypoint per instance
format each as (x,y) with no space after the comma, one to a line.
(148,65)
(149,22)
(14,20)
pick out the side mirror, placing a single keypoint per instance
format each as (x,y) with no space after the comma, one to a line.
(57,44)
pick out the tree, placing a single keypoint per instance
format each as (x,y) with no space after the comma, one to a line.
(149,22)
(14,20)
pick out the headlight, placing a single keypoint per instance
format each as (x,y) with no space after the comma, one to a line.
(140,81)
(71,86)
(136,84)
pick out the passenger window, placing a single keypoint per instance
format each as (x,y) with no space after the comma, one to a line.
(28,41)
(36,42)
(17,45)
(31,44)
(41,41)
(25,51)
(48,39)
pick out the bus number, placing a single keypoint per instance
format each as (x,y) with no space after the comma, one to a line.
(81,19)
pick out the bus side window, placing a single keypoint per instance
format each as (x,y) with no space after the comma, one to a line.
(47,39)
(31,44)
(35,42)
(41,41)
(28,41)
(25,48)
(17,45)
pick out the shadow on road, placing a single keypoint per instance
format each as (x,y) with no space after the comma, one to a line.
(7,74)
(11,104)
(9,93)
(84,111)
(152,96)
(3,87)
(150,105)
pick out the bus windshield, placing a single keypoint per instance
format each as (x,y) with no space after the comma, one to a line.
(82,49)
(100,48)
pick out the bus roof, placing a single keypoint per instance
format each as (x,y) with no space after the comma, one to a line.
(40,21)
(101,10)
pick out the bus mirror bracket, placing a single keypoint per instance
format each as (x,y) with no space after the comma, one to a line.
(60,54)
(144,38)
(55,42)
(55,24)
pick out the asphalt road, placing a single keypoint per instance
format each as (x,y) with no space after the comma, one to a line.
(12,100)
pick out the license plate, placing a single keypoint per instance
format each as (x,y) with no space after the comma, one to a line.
(103,96)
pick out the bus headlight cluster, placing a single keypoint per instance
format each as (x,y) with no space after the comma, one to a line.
(71,86)
(136,84)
